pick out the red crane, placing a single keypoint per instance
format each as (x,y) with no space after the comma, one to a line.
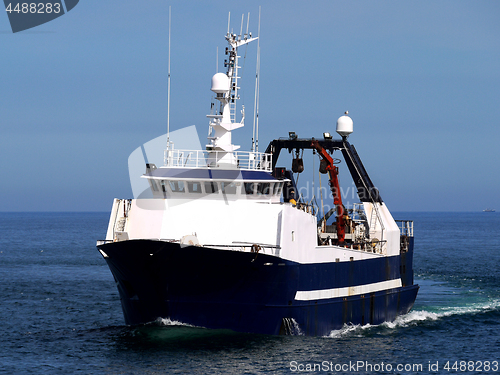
(327,166)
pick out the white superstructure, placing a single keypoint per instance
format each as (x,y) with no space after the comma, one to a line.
(227,198)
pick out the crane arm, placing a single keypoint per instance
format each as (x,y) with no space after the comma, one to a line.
(333,173)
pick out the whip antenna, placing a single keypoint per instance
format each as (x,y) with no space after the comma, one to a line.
(255,135)
(168,85)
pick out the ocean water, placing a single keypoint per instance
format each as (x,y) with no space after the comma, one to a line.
(60,311)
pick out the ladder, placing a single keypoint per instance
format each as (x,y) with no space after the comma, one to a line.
(374,218)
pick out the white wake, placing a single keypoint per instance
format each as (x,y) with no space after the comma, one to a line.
(417,317)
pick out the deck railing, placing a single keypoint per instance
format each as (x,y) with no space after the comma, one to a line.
(201,159)
(405,227)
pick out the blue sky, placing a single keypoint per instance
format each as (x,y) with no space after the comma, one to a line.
(421,81)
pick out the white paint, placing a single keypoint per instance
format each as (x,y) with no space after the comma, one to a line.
(220,83)
(386,228)
(236,224)
(347,291)
(344,126)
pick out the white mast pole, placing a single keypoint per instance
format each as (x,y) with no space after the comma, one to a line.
(248,21)
(241,28)
(168,95)
(255,133)
(258,89)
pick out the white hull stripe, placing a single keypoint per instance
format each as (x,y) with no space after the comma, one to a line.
(347,291)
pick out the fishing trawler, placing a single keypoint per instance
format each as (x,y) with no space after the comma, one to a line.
(226,241)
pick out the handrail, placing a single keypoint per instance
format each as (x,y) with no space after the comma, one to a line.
(199,159)
(405,227)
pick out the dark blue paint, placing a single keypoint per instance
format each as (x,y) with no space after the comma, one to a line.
(229,289)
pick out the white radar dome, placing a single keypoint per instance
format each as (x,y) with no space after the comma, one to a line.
(220,83)
(344,125)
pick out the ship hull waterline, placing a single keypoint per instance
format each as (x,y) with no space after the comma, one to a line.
(252,292)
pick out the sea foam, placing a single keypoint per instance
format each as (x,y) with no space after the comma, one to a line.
(417,317)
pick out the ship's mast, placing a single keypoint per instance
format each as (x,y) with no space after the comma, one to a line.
(225,86)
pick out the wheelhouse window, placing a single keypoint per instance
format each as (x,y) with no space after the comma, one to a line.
(228,187)
(153,185)
(194,187)
(264,188)
(277,188)
(211,187)
(177,186)
(249,188)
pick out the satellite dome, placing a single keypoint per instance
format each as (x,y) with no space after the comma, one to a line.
(344,125)
(220,83)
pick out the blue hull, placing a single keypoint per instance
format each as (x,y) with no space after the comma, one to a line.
(250,292)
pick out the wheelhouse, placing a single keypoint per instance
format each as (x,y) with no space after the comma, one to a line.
(179,183)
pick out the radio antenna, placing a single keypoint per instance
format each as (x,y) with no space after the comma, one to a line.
(168,85)
(248,21)
(242,19)
(255,135)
